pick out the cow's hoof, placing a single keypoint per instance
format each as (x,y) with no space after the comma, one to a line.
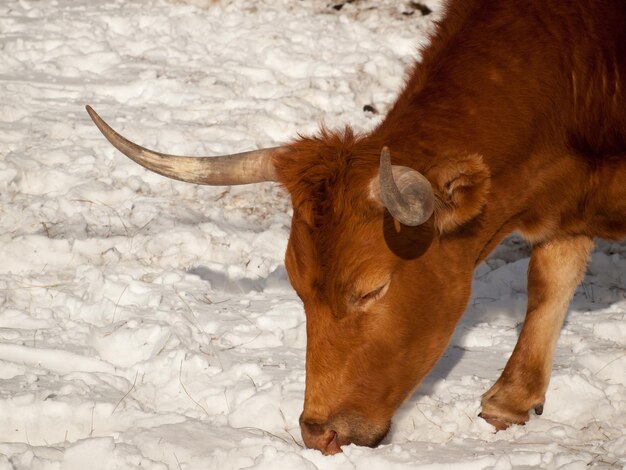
(503,422)
(497,423)
(508,403)
(501,409)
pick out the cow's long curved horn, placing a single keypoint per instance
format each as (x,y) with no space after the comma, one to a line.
(405,192)
(240,168)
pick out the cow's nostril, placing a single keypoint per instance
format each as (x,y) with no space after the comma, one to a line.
(333,446)
(321,436)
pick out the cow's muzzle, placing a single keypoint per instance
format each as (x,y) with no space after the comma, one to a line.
(329,436)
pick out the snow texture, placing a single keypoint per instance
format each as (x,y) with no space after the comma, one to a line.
(147,323)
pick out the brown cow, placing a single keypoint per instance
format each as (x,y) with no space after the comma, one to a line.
(514,121)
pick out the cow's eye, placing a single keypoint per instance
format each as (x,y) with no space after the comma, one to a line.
(372,295)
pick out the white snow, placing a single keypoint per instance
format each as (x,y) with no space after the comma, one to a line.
(146,323)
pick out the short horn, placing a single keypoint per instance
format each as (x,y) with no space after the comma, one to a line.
(225,170)
(406,193)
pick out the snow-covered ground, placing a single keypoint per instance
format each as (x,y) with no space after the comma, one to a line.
(146,323)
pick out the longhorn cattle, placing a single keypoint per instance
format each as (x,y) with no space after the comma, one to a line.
(514,120)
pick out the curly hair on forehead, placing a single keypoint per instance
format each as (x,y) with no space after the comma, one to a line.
(327,173)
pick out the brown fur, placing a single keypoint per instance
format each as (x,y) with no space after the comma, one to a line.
(517,116)
(555,269)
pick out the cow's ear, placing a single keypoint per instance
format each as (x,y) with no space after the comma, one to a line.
(461,187)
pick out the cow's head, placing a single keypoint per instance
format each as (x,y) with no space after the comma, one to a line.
(382,280)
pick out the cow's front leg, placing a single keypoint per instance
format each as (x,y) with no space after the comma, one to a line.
(556,268)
